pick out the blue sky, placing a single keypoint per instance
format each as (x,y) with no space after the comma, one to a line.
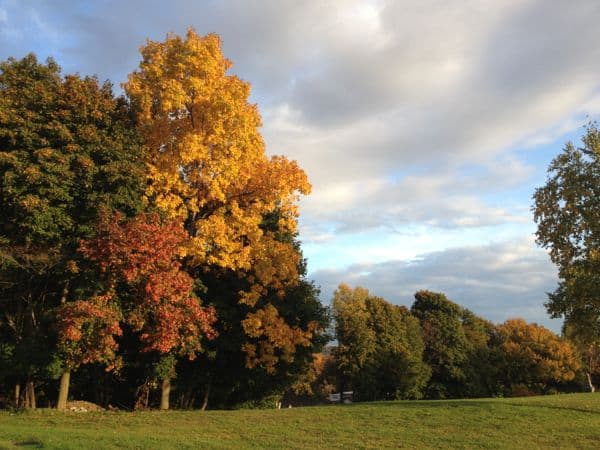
(423,126)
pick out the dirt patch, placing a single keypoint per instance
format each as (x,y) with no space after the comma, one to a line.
(82,406)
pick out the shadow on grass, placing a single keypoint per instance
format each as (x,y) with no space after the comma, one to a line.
(472,403)
(431,403)
(562,408)
(31,442)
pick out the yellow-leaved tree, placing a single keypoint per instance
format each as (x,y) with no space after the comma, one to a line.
(208,166)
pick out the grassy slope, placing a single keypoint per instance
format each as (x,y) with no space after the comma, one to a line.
(565,421)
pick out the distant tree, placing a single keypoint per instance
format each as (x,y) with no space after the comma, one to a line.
(567,212)
(447,348)
(400,370)
(67,149)
(481,368)
(380,348)
(535,357)
(356,340)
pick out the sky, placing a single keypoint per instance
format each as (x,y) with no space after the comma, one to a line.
(424,126)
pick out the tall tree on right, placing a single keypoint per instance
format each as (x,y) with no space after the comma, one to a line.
(567,212)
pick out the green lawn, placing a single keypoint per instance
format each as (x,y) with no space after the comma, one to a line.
(561,421)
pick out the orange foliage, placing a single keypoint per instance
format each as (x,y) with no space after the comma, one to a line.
(279,340)
(208,167)
(538,353)
(207,158)
(144,253)
(87,330)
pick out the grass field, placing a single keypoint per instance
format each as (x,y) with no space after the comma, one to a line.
(561,421)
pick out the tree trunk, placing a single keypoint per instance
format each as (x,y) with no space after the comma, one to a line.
(63,392)
(30,395)
(589,380)
(206,395)
(165,393)
(187,398)
(17,394)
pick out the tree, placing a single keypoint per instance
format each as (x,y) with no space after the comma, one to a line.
(535,357)
(586,338)
(314,385)
(208,168)
(447,348)
(356,340)
(481,369)
(87,331)
(224,371)
(380,348)
(567,212)
(139,260)
(67,149)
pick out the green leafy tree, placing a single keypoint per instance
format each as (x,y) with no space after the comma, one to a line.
(586,338)
(481,369)
(222,373)
(67,150)
(380,348)
(567,212)
(356,340)
(447,347)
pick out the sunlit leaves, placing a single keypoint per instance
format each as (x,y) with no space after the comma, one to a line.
(207,158)
(208,167)
(535,355)
(159,302)
(87,331)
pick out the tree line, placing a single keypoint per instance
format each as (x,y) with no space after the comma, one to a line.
(436,350)
(147,239)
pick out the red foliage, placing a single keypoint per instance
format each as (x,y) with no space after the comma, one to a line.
(87,330)
(144,254)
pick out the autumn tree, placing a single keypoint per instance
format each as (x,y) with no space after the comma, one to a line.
(87,333)
(144,281)
(316,383)
(534,357)
(380,348)
(208,168)
(567,212)
(67,149)
(223,372)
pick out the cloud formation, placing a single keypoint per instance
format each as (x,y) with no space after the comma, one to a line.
(497,281)
(427,119)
